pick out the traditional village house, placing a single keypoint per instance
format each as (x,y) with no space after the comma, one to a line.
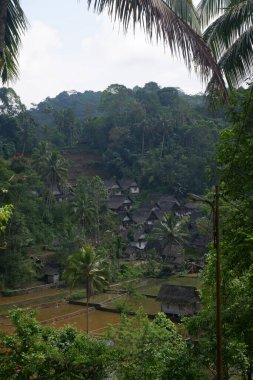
(119,203)
(112,187)
(179,300)
(61,193)
(127,220)
(173,255)
(168,203)
(136,248)
(57,193)
(193,266)
(140,239)
(141,215)
(146,217)
(129,185)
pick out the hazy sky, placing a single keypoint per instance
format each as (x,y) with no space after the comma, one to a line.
(68,47)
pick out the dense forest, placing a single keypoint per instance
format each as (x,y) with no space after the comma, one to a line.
(162,137)
(171,144)
(113,190)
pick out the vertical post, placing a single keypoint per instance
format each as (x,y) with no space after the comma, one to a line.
(218,284)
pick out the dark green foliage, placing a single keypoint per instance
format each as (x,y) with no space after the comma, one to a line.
(43,353)
(137,349)
(235,159)
(159,136)
(152,350)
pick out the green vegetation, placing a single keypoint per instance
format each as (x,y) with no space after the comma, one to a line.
(165,139)
(34,351)
(87,266)
(235,159)
(48,211)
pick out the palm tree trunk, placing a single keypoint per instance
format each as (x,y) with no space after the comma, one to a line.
(87,307)
(143,141)
(162,145)
(3,19)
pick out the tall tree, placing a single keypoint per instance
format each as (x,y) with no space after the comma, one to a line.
(83,208)
(235,171)
(51,166)
(90,267)
(172,230)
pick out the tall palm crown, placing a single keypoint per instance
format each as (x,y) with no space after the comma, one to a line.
(174,22)
(87,266)
(228,30)
(13,24)
(50,164)
(83,208)
(172,230)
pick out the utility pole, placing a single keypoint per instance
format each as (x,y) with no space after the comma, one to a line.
(216,243)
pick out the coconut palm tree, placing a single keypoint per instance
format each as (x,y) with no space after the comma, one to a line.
(83,208)
(173,22)
(228,30)
(51,167)
(13,24)
(171,230)
(90,267)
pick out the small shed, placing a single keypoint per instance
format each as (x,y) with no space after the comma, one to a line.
(179,300)
(52,274)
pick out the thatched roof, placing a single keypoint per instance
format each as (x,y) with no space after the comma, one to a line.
(178,294)
(116,201)
(111,184)
(172,251)
(168,199)
(126,183)
(127,217)
(169,205)
(141,215)
(159,214)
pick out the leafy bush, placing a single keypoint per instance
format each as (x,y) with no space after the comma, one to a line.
(78,295)
(123,306)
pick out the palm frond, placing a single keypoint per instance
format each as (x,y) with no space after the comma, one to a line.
(226,29)
(160,22)
(236,62)
(187,12)
(209,9)
(15,26)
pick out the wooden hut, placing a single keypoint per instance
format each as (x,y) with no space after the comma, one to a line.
(179,300)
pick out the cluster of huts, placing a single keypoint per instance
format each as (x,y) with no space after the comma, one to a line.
(140,223)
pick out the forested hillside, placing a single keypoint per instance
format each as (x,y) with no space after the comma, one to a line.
(161,136)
